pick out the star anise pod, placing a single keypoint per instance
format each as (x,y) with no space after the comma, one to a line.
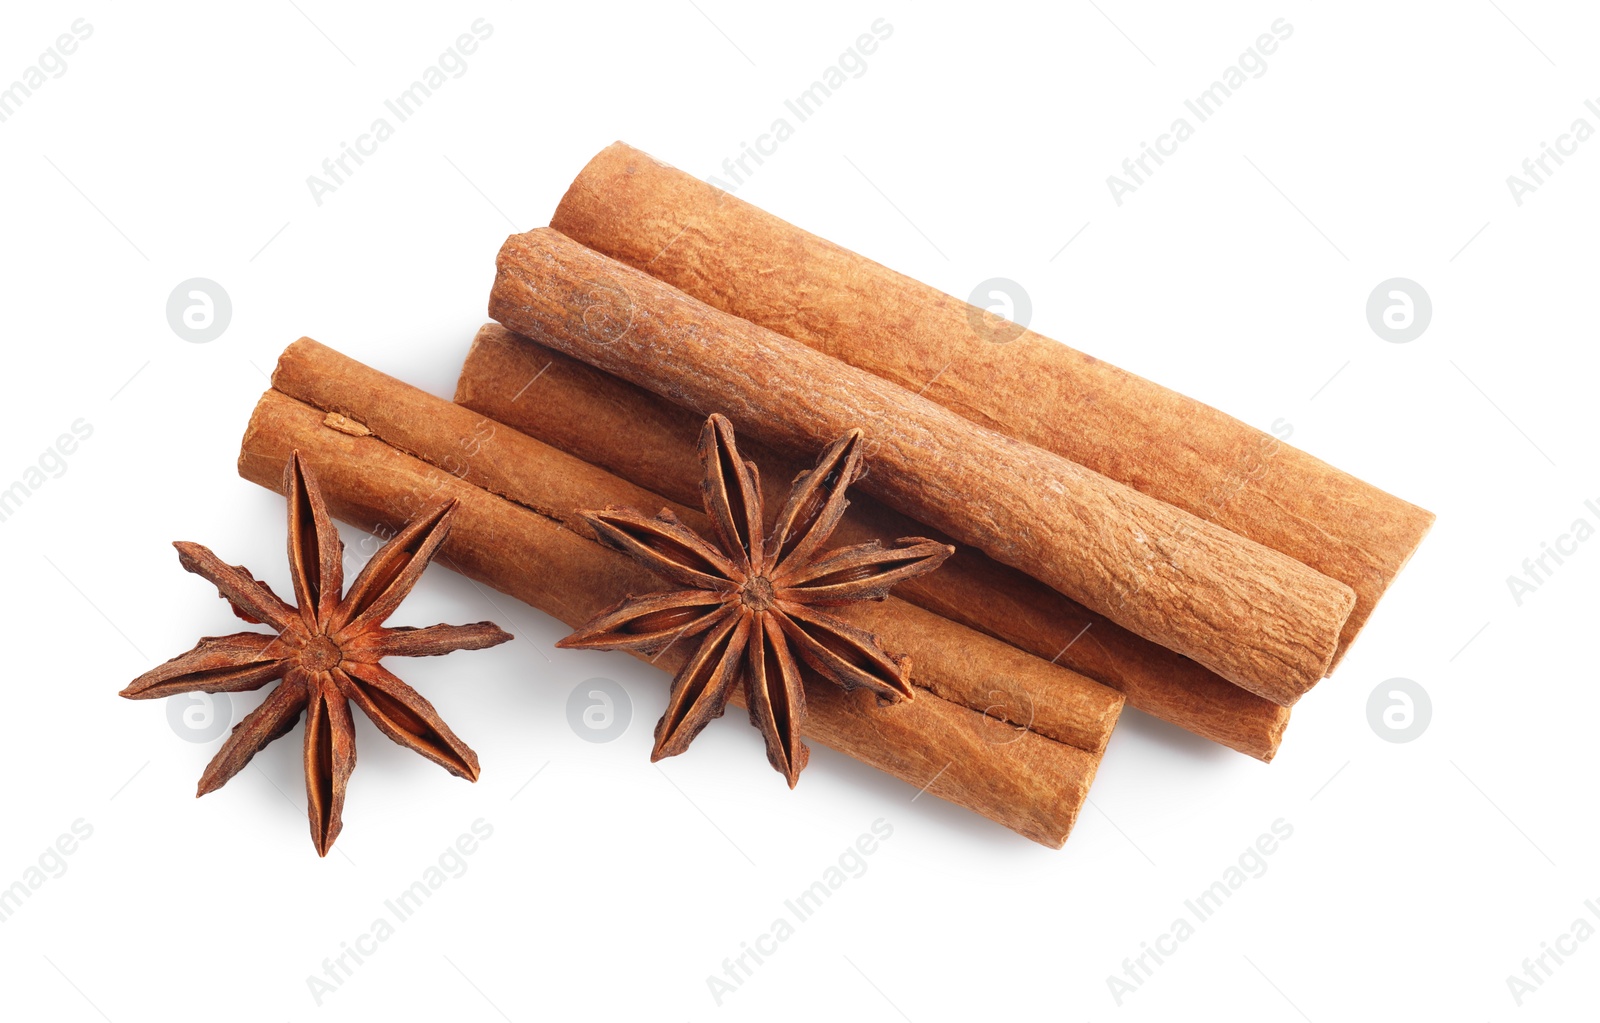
(326,653)
(756,598)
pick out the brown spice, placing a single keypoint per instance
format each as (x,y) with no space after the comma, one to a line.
(531,545)
(756,598)
(745,261)
(326,652)
(961,665)
(651,442)
(1254,616)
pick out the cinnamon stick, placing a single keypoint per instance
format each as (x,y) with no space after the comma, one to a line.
(745,261)
(364,439)
(649,441)
(1254,616)
(990,676)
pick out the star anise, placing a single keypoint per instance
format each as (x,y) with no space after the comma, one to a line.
(756,598)
(326,652)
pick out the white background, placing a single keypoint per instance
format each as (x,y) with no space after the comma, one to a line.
(977,144)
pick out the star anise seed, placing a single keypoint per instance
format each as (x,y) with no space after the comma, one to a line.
(755,598)
(325,651)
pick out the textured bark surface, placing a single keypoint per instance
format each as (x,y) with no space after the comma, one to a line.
(962,665)
(1254,616)
(740,259)
(1021,778)
(649,441)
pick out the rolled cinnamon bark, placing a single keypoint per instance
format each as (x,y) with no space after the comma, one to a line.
(1254,616)
(1019,777)
(651,442)
(745,261)
(949,659)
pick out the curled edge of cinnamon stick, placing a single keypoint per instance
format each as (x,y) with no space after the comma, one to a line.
(743,260)
(647,440)
(1251,614)
(1020,778)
